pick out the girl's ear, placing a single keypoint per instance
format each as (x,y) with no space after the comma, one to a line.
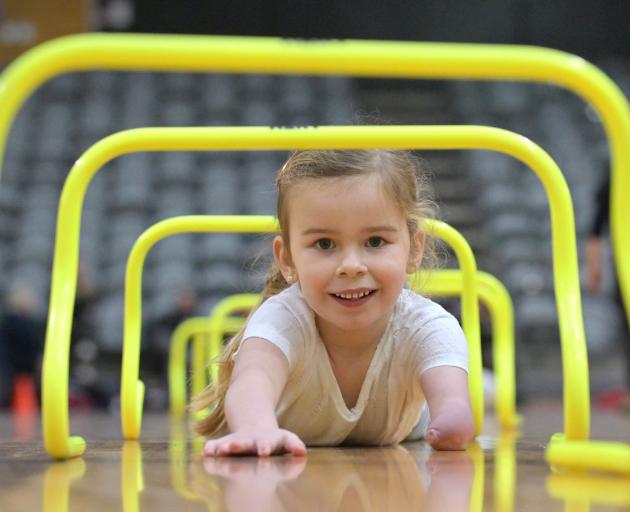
(416,250)
(283,259)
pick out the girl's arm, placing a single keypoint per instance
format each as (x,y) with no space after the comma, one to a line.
(259,376)
(446,390)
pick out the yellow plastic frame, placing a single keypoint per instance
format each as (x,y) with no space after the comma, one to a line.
(384,59)
(63,287)
(132,388)
(497,299)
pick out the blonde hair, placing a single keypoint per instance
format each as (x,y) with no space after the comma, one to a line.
(401,176)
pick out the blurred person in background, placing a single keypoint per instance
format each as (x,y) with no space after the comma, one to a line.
(90,384)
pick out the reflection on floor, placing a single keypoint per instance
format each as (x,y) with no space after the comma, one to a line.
(501,472)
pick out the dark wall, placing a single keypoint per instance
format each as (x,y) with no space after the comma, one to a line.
(443,20)
(586,27)
(222,17)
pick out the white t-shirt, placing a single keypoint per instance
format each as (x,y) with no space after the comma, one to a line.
(420,335)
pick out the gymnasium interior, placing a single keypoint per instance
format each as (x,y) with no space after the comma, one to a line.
(91,419)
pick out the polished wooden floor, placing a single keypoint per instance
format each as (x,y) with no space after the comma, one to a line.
(164,471)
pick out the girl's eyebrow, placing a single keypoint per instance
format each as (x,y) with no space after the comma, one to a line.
(318,231)
(369,229)
(385,227)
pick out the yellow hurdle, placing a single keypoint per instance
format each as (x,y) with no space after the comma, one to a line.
(198,329)
(132,388)
(63,287)
(497,299)
(386,59)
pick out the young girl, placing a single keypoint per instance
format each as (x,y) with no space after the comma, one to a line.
(338,351)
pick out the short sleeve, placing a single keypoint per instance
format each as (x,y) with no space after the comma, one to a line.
(274,322)
(435,337)
(441,342)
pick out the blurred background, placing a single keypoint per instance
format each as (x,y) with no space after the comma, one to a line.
(497,203)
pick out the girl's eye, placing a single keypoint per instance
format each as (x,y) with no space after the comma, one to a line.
(375,241)
(324,244)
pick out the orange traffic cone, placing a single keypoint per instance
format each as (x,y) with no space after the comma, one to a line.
(24,395)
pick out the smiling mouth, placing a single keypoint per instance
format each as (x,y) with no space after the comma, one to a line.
(353,296)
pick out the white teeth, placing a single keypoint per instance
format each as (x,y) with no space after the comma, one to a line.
(353,295)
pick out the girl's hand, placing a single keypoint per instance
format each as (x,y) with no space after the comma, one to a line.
(261,442)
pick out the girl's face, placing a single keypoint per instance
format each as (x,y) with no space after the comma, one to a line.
(350,252)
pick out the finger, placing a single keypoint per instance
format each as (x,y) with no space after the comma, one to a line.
(244,446)
(210,448)
(224,448)
(263,448)
(294,445)
(237,446)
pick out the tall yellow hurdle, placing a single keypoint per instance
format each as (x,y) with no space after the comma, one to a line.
(386,59)
(63,287)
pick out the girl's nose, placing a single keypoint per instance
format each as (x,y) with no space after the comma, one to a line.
(351,265)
